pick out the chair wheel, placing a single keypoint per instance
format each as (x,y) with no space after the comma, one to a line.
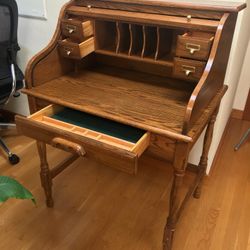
(14,159)
(17,94)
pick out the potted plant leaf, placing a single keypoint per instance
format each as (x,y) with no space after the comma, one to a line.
(10,188)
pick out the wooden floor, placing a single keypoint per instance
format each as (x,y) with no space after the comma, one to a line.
(98,208)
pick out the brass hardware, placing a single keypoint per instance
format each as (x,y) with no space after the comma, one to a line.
(68,51)
(189,18)
(89,7)
(188,69)
(193,47)
(70,28)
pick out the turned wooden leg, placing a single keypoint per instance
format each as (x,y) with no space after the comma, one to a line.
(45,174)
(174,205)
(176,200)
(204,157)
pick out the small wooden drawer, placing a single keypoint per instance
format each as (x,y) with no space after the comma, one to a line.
(194,45)
(188,69)
(73,50)
(77,29)
(114,144)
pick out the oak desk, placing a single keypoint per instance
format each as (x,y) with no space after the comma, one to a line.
(121,78)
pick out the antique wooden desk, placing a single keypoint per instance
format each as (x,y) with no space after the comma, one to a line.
(122,77)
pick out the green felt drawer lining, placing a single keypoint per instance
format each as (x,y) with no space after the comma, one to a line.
(99,124)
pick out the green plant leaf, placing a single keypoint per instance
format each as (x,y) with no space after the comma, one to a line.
(10,188)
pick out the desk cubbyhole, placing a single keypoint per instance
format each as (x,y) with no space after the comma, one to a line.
(149,42)
(136,40)
(106,35)
(164,44)
(123,38)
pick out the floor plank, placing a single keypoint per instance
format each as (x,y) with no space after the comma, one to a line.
(98,208)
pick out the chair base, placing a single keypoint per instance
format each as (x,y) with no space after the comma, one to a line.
(242,140)
(13,158)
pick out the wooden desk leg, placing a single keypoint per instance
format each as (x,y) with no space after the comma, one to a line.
(176,201)
(204,157)
(45,173)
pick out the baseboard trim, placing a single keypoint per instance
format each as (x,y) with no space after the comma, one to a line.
(237,114)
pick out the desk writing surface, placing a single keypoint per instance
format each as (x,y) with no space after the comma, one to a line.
(144,101)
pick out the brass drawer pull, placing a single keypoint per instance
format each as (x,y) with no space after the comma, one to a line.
(193,47)
(71,29)
(188,69)
(68,51)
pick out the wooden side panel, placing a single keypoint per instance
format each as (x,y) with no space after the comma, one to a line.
(162,147)
(214,74)
(42,72)
(39,69)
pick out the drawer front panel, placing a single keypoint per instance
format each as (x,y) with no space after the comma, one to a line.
(74,50)
(108,150)
(188,69)
(194,47)
(77,30)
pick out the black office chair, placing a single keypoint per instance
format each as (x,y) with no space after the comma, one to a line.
(11,77)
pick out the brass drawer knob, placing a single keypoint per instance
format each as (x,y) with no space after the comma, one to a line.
(71,29)
(193,47)
(189,18)
(188,70)
(89,7)
(68,51)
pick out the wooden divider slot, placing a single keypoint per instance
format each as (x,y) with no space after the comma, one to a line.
(123,38)
(149,41)
(59,124)
(106,35)
(164,43)
(136,40)
(78,130)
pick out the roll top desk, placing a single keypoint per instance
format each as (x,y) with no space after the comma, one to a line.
(122,78)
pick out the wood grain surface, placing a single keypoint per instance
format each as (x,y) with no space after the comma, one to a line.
(144,18)
(213,77)
(154,9)
(122,96)
(224,6)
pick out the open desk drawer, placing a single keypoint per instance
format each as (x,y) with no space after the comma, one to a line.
(112,143)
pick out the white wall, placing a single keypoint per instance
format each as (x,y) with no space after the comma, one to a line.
(244,83)
(35,34)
